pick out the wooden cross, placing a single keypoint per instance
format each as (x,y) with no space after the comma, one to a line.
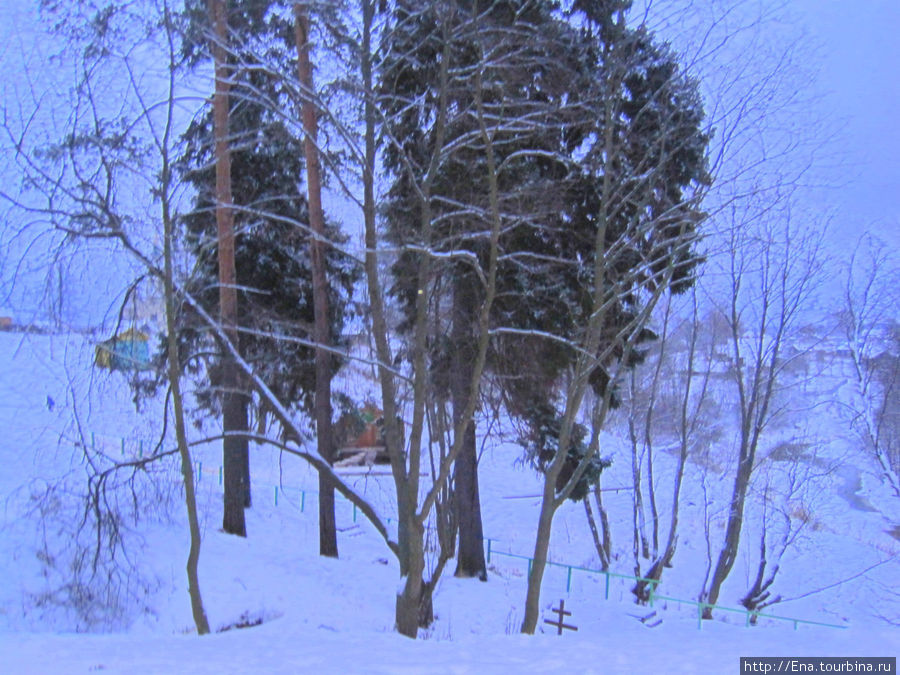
(562,614)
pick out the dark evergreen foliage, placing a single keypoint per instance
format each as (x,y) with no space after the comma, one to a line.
(572,110)
(272,240)
(542,446)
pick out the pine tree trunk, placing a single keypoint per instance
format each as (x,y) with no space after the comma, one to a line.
(234,454)
(466,500)
(245,450)
(234,465)
(327,526)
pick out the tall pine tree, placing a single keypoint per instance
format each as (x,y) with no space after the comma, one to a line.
(272,236)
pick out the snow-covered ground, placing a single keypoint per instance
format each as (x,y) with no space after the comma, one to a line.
(326,615)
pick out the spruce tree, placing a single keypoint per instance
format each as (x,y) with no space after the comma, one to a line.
(596,131)
(522,82)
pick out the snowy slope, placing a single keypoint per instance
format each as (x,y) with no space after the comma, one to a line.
(337,615)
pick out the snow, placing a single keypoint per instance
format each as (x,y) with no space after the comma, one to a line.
(324,615)
(608,644)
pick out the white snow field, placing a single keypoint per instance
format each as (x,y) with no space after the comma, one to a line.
(336,616)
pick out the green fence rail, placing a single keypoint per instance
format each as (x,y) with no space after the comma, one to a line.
(653,596)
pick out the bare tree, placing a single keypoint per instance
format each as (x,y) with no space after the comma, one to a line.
(636,255)
(785,504)
(457,158)
(772,274)
(75,186)
(870,296)
(669,408)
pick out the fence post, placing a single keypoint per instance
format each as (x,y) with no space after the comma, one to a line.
(199,471)
(606,574)
(276,495)
(569,580)
(354,513)
(123,447)
(220,475)
(302,500)
(489,549)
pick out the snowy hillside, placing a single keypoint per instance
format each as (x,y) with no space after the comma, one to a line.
(303,613)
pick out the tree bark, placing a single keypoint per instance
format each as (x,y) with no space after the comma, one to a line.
(541,548)
(392,429)
(728,554)
(327,526)
(602,546)
(466,500)
(173,363)
(409,600)
(234,451)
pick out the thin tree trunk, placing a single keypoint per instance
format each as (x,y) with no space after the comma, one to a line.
(392,429)
(541,548)
(466,500)
(595,534)
(173,363)
(187,471)
(234,451)
(604,523)
(327,527)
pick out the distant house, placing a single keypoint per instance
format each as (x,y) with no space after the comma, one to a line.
(6,322)
(126,351)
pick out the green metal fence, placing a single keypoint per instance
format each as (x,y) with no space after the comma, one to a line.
(138,449)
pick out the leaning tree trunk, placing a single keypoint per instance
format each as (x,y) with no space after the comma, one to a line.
(466,501)
(728,554)
(234,412)
(327,526)
(173,365)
